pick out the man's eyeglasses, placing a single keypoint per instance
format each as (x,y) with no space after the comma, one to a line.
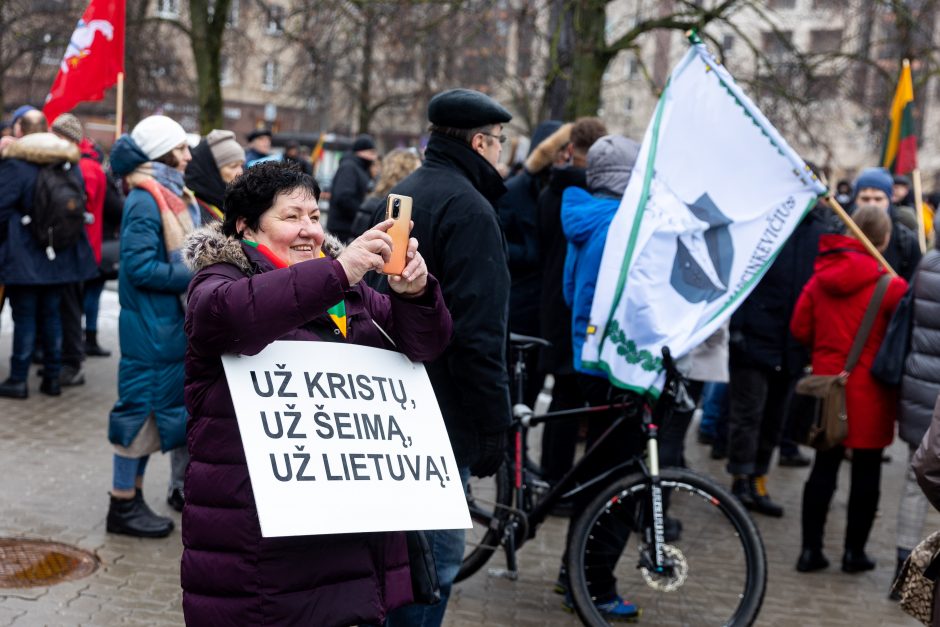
(501,138)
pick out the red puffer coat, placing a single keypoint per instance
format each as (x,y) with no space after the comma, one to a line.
(826,319)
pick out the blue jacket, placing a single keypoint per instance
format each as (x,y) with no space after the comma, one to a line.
(585,220)
(153,343)
(22,261)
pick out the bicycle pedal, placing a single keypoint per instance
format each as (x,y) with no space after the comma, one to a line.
(503,573)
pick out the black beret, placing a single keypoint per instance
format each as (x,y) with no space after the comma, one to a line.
(363,142)
(258,132)
(465,108)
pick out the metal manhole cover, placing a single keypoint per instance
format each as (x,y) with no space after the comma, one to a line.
(26,563)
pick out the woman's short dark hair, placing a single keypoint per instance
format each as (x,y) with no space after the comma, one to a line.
(255,191)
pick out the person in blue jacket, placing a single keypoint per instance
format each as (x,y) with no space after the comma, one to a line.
(585,218)
(150,414)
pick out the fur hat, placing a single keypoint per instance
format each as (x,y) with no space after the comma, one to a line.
(157,135)
(224,148)
(69,127)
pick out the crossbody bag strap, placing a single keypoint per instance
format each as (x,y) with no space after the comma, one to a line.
(868,321)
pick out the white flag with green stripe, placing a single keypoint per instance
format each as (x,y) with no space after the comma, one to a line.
(714,195)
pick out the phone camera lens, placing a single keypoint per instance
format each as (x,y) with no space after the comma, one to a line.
(396,208)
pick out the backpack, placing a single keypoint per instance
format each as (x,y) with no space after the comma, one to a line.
(57,218)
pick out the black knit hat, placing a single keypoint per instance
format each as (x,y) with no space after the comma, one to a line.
(465,108)
(363,142)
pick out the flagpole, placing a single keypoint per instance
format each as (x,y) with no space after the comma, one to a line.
(119,115)
(919,208)
(857,233)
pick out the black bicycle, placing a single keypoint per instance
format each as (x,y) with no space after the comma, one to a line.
(677,545)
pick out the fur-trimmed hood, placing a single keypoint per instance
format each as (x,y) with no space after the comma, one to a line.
(43,149)
(208,246)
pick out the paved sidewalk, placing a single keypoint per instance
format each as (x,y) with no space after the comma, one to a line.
(56,463)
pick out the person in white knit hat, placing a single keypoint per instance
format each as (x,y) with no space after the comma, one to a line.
(150,414)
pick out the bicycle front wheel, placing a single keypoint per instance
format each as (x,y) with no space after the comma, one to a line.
(717,570)
(489,500)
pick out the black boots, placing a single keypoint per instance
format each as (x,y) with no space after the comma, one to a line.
(811,560)
(50,386)
(91,345)
(133,517)
(855,561)
(14,389)
(752,492)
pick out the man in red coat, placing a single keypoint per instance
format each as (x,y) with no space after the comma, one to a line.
(827,318)
(67,126)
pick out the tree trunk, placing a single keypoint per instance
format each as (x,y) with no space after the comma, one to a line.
(206,39)
(558,87)
(590,58)
(365,77)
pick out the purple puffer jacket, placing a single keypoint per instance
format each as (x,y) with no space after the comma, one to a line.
(239,303)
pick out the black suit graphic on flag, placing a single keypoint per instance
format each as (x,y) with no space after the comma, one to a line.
(702,266)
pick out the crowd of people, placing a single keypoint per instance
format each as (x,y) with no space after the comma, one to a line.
(194,233)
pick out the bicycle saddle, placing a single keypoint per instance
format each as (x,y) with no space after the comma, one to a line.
(526,342)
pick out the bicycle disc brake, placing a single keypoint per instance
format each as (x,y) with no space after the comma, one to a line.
(675,575)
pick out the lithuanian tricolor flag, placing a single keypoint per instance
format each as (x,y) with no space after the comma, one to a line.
(900,148)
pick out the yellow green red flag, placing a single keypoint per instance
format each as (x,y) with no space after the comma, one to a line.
(900,147)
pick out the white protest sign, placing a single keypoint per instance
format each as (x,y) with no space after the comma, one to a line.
(342,438)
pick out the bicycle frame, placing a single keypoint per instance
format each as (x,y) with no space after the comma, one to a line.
(525,519)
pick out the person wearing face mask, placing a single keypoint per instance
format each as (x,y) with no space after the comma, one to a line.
(217,160)
(149,414)
(272,243)
(352,182)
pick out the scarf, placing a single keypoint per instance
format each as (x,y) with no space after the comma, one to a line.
(168,177)
(337,312)
(174,215)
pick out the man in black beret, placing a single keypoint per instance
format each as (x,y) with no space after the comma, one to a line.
(455,221)
(351,183)
(259,145)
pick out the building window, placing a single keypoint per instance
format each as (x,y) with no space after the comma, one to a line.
(825,41)
(782,4)
(233,14)
(727,43)
(270,76)
(168,9)
(275,19)
(777,44)
(225,71)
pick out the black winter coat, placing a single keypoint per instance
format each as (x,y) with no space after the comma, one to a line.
(903,252)
(349,189)
(459,237)
(760,328)
(554,313)
(920,385)
(517,217)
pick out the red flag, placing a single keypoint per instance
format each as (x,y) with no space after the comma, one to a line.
(93,58)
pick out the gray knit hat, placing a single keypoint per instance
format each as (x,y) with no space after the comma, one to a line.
(68,126)
(610,163)
(224,148)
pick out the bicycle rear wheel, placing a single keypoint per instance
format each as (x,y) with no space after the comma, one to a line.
(489,500)
(719,570)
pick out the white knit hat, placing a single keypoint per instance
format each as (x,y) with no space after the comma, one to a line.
(157,135)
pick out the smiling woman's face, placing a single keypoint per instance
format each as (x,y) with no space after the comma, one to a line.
(290,228)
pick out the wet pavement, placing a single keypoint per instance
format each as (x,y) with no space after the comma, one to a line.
(55,464)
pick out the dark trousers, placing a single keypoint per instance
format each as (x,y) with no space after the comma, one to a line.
(863,496)
(614,450)
(35,305)
(560,436)
(758,399)
(73,345)
(672,431)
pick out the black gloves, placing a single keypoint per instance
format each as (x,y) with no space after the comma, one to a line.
(492,453)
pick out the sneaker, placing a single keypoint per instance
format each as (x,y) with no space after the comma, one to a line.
(616,609)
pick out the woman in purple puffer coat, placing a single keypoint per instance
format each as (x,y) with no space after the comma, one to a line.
(269,273)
